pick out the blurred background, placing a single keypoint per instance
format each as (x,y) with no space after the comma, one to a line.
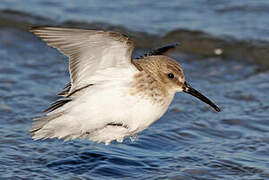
(224,51)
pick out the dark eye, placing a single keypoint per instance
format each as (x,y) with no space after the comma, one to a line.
(171,75)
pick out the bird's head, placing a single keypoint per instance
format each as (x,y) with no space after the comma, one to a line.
(169,74)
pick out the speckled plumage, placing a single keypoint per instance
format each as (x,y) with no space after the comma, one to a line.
(152,82)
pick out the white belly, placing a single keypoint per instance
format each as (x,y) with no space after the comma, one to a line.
(94,112)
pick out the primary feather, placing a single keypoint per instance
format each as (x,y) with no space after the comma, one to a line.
(88,50)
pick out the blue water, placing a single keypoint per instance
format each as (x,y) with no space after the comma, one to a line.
(190,141)
(242,19)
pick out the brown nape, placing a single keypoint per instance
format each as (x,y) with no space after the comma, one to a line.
(159,67)
(153,82)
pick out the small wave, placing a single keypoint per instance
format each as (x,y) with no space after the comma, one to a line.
(244,8)
(194,42)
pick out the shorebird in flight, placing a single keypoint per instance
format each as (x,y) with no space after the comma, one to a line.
(111,96)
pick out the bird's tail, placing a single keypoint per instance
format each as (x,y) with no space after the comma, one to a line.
(39,123)
(54,125)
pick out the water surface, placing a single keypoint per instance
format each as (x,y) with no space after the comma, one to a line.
(227,17)
(190,141)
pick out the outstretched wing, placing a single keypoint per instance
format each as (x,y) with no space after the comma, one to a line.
(159,51)
(88,50)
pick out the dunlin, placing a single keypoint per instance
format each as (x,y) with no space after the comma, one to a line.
(111,96)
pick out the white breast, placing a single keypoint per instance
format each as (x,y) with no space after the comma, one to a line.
(115,105)
(91,111)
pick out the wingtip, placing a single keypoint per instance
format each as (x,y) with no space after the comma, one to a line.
(175,44)
(218,109)
(34,28)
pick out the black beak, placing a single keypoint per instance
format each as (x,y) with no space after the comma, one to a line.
(188,89)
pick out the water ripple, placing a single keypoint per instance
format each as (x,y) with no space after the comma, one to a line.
(190,142)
